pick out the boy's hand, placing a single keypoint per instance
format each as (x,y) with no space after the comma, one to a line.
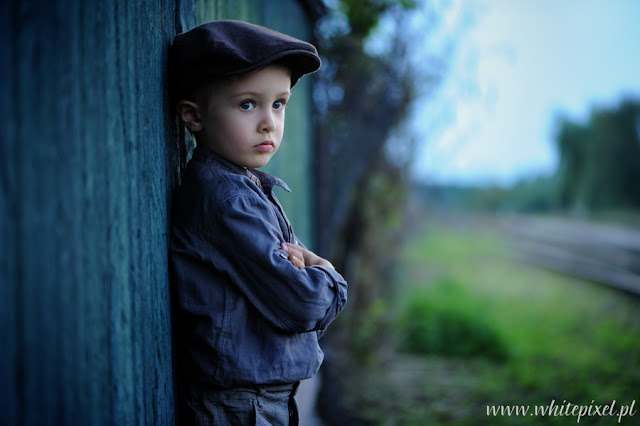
(301,257)
(296,256)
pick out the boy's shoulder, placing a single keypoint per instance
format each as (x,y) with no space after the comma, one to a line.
(212,173)
(217,176)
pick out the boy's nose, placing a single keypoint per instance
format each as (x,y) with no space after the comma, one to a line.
(268,123)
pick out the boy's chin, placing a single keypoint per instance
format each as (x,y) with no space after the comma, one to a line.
(257,163)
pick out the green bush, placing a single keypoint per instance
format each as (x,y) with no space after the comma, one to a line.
(444,321)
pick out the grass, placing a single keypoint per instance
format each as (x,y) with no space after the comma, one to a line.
(556,338)
(445,320)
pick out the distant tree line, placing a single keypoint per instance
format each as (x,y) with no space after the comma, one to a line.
(600,159)
(598,170)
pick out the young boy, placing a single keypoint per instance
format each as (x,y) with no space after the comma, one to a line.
(251,301)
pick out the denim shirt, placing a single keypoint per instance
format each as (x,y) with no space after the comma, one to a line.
(244,314)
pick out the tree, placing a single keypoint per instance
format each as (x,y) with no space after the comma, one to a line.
(362,98)
(600,160)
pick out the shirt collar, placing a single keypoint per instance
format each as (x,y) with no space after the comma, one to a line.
(206,156)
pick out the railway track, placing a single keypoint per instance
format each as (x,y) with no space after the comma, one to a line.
(604,253)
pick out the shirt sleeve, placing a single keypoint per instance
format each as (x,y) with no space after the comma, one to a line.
(245,241)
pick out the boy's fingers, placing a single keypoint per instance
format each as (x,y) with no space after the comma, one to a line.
(292,248)
(295,255)
(297,262)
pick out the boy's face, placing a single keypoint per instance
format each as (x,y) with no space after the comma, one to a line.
(244,121)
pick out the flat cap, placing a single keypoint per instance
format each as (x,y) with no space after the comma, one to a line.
(227,48)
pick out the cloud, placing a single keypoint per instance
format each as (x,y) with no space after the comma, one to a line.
(519,65)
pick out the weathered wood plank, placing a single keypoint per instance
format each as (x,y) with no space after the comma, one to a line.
(88,164)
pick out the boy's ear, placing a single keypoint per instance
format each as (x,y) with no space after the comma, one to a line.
(190,114)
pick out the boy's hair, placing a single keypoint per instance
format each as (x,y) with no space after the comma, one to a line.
(202,94)
(222,49)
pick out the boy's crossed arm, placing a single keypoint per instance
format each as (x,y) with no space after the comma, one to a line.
(301,257)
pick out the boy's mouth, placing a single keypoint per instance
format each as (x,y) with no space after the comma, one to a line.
(265,146)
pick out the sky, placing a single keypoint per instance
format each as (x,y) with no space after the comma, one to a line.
(516,66)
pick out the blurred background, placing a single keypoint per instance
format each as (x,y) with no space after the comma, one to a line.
(483,165)
(472,169)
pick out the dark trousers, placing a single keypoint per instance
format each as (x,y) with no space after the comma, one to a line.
(268,405)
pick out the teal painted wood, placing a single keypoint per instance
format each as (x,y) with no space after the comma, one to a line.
(243,10)
(88,163)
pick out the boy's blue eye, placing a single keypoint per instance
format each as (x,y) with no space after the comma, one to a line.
(278,104)
(247,106)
